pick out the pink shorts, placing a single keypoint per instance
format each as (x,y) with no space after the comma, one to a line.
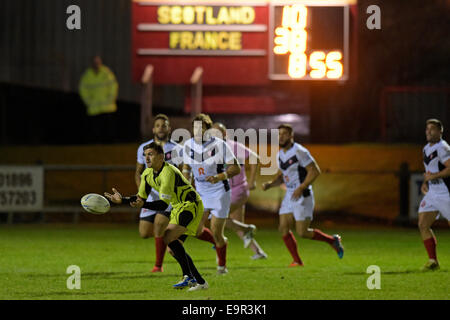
(239,193)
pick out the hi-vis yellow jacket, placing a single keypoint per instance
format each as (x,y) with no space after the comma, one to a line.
(99,91)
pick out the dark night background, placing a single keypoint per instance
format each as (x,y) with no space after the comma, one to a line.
(41,63)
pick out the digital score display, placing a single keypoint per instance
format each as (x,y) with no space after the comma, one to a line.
(241,42)
(308,41)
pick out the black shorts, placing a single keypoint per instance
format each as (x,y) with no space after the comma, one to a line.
(152,217)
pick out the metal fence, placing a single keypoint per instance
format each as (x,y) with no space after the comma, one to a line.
(63,189)
(64,185)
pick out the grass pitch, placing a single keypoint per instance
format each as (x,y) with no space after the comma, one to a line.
(115,264)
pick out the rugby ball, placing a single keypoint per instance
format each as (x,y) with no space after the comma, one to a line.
(95,203)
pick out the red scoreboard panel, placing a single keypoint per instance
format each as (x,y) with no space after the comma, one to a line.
(241,42)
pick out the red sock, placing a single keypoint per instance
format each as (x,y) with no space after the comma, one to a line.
(206,235)
(430,245)
(222,255)
(160,250)
(320,236)
(291,244)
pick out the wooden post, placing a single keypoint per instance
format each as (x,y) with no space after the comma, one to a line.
(10,217)
(196,91)
(76,217)
(146,101)
(404,176)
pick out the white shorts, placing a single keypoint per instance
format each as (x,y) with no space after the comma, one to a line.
(217,204)
(153,196)
(302,208)
(436,202)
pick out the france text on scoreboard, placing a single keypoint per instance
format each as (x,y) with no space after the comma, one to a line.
(241,42)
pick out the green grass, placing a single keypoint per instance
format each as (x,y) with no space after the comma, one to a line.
(115,264)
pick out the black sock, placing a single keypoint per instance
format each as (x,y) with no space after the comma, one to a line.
(180,256)
(194,271)
(185,261)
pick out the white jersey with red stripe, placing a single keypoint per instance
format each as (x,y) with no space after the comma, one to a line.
(208,159)
(292,164)
(434,157)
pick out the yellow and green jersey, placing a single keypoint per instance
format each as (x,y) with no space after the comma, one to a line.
(172,186)
(174,189)
(99,90)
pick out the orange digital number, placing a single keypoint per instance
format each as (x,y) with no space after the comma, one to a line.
(291,37)
(297,16)
(297,42)
(281,40)
(286,17)
(317,63)
(320,63)
(297,65)
(334,65)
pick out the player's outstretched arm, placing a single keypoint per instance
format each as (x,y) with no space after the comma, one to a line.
(230,172)
(187,172)
(252,176)
(254,164)
(137,174)
(117,198)
(424,188)
(274,183)
(233,169)
(158,205)
(138,203)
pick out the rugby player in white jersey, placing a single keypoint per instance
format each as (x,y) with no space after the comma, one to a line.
(436,188)
(240,192)
(153,223)
(298,170)
(212,164)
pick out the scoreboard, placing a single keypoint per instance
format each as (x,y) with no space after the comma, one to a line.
(308,42)
(241,42)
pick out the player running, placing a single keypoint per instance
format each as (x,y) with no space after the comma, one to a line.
(240,192)
(298,170)
(152,222)
(187,209)
(212,163)
(435,187)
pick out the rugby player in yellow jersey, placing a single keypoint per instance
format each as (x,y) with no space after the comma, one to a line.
(187,209)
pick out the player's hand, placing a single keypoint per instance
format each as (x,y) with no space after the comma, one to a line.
(428,176)
(265,186)
(424,188)
(213,179)
(297,193)
(116,197)
(139,203)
